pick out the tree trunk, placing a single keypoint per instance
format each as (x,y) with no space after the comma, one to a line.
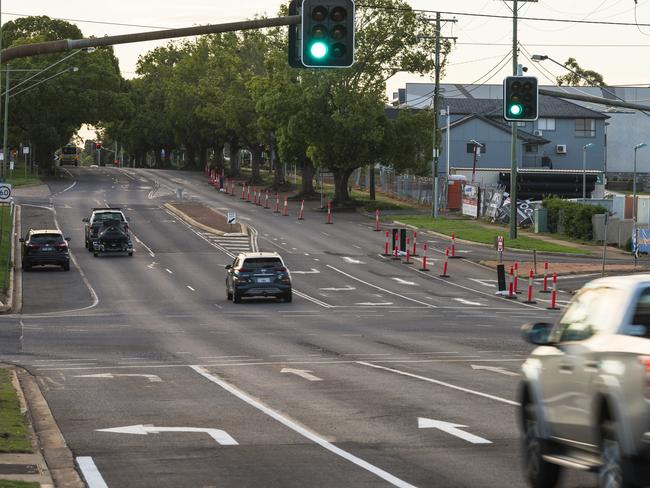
(234,157)
(307,185)
(167,162)
(278,176)
(256,155)
(371,183)
(45,160)
(341,192)
(158,158)
(218,156)
(191,156)
(203,159)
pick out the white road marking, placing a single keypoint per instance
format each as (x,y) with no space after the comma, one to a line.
(372,304)
(428,305)
(221,436)
(151,253)
(151,377)
(404,282)
(352,260)
(90,472)
(494,369)
(311,299)
(489,283)
(393,480)
(355,246)
(346,288)
(441,383)
(152,265)
(303,373)
(190,288)
(311,271)
(453,429)
(468,302)
(169,271)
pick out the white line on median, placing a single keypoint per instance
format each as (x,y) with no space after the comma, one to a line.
(441,383)
(190,288)
(169,271)
(393,480)
(90,472)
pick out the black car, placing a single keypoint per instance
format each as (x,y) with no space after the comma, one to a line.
(112,236)
(98,218)
(42,247)
(258,274)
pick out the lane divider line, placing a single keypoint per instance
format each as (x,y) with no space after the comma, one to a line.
(90,472)
(386,476)
(441,383)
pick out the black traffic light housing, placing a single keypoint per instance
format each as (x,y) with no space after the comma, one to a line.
(520,98)
(327,33)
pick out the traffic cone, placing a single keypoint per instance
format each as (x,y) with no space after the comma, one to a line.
(377,226)
(285,211)
(424,258)
(444,266)
(408,252)
(554,294)
(301,214)
(530,299)
(329,212)
(545,286)
(277,203)
(386,252)
(266,201)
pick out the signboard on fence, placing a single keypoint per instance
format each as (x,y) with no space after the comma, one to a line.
(643,242)
(471,205)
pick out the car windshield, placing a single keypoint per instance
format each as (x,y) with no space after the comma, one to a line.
(258,263)
(69,150)
(105,216)
(46,238)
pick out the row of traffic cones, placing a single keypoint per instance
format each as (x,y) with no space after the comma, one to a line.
(513,286)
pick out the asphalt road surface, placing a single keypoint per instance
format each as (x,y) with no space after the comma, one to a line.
(376,375)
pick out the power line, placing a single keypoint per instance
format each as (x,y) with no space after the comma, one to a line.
(551,45)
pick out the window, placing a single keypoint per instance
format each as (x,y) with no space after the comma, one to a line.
(640,324)
(546,124)
(530,148)
(585,128)
(470,148)
(592,311)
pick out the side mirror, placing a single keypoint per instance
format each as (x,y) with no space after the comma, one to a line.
(67,239)
(85,219)
(22,239)
(228,266)
(537,333)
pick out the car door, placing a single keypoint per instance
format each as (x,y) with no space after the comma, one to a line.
(229,275)
(569,374)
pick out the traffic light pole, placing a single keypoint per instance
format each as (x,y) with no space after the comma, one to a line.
(513,143)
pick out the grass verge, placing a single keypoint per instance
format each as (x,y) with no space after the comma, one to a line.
(474,231)
(18,484)
(18,177)
(14,436)
(5,245)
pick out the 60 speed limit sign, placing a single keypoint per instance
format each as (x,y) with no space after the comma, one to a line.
(5,192)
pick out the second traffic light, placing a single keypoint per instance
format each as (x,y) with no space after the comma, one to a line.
(327,33)
(520,98)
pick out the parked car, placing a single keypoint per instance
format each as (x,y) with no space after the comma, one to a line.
(258,274)
(585,397)
(45,246)
(107,230)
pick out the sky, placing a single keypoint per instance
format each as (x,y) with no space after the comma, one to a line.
(480,54)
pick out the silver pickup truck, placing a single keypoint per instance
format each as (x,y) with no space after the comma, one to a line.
(585,396)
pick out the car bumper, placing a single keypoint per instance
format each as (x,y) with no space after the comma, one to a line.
(257,290)
(99,246)
(36,260)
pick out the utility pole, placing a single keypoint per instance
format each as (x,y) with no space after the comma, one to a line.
(436,112)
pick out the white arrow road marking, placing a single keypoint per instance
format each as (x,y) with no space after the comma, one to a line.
(152,265)
(468,302)
(485,282)
(347,288)
(221,436)
(303,373)
(352,260)
(495,369)
(312,271)
(453,429)
(371,304)
(404,282)
(151,377)
(91,474)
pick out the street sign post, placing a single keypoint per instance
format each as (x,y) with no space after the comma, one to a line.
(231,219)
(5,192)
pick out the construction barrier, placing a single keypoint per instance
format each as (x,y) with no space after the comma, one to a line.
(387,243)
(516,282)
(530,299)
(444,266)
(301,214)
(408,252)
(377,226)
(554,294)
(453,246)
(511,294)
(396,246)
(424,258)
(545,285)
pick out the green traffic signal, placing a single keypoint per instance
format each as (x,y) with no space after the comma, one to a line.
(520,98)
(516,110)
(318,50)
(328,33)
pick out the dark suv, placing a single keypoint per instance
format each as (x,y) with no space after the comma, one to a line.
(42,247)
(258,274)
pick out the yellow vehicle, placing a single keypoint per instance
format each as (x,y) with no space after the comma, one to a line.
(69,155)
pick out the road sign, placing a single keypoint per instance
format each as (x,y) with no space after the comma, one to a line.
(25,149)
(5,192)
(232,218)
(500,243)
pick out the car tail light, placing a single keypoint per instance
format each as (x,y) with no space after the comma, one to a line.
(33,246)
(281,269)
(62,245)
(645,363)
(245,270)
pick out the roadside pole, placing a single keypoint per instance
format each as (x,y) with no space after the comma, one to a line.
(513,142)
(604,247)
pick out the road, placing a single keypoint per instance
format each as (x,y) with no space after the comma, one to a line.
(376,375)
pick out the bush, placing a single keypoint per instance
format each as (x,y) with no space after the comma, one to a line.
(574,217)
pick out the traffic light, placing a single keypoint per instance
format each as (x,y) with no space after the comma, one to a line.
(520,98)
(98,145)
(327,33)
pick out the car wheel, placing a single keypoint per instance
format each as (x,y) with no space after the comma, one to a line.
(95,254)
(131,254)
(236,297)
(612,472)
(540,473)
(228,294)
(27,267)
(66,266)
(288,297)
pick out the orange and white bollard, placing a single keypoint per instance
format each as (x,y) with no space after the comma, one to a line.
(554,294)
(259,198)
(277,203)
(424,258)
(387,243)
(545,285)
(285,210)
(329,212)
(511,295)
(516,282)
(396,248)
(301,214)
(444,266)
(415,244)
(377,226)
(530,298)
(248,195)
(408,252)
(243,192)
(266,200)
(232,188)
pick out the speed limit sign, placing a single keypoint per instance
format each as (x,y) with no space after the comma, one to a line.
(5,192)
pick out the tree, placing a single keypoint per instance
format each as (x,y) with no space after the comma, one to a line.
(49,114)
(579,76)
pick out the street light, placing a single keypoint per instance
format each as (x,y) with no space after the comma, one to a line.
(584,170)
